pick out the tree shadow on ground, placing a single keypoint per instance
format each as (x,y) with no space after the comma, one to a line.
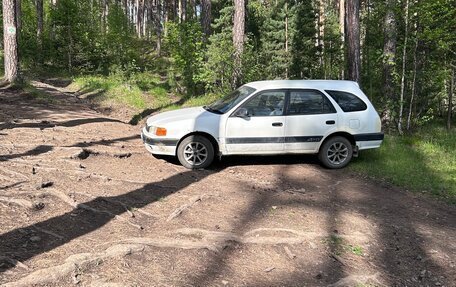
(83,221)
(401,252)
(33,152)
(51,124)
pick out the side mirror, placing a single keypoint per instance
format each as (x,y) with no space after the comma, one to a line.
(242,113)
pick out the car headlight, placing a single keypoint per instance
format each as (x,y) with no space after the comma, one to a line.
(158,131)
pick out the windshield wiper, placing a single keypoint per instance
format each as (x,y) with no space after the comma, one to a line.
(215,111)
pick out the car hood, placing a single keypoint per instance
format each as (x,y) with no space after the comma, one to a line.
(178,115)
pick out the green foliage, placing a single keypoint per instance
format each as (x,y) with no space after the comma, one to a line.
(185,44)
(305,64)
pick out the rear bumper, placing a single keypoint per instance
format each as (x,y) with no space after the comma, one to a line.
(163,146)
(368,141)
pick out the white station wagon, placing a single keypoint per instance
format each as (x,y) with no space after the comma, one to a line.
(333,119)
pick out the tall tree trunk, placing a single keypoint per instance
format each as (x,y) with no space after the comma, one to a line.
(389,60)
(286,40)
(206,17)
(18,16)
(321,35)
(39,20)
(352,32)
(342,34)
(139,17)
(104,15)
(404,61)
(238,40)
(450,98)
(158,26)
(10,41)
(412,97)
(182,10)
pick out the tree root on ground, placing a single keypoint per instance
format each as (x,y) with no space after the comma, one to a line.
(17,201)
(178,211)
(73,264)
(199,239)
(127,208)
(71,202)
(13,262)
(357,280)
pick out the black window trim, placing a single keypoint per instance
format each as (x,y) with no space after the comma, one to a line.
(287,103)
(340,91)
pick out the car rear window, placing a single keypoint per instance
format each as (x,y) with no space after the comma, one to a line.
(347,101)
(309,102)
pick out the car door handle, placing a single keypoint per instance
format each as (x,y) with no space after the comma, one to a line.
(330,122)
(277,124)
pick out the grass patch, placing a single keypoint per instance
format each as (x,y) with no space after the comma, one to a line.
(140,91)
(40,96)
(422,162)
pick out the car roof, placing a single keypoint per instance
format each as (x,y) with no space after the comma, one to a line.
(340,85)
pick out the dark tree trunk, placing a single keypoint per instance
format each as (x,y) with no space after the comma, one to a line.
(450,99)
(389,60)
(10,41)
(352,32)
(206,17)
(39,20)
(238,40)
(18,16)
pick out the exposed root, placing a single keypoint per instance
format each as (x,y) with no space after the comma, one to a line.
(12,174)
(48,232)
(183,207)
(68,200)
(127,208)
(72,173)
(290,254)
(217,240)
(14,262)
(17,201)
(73,264)
(356,280)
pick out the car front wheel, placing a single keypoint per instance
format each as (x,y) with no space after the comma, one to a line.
(336,152)
(195,152)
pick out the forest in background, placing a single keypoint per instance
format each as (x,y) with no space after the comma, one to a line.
(402,53)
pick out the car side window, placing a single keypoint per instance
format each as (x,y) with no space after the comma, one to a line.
(347,101)
(269,103)
(309,103)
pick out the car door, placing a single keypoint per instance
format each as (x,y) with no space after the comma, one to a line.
(310,117)
(261,128)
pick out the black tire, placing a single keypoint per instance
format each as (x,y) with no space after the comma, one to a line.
(336,152)
(195,152)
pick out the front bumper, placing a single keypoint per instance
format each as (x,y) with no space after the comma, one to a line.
(159,145)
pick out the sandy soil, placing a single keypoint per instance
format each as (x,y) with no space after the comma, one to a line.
(82,203)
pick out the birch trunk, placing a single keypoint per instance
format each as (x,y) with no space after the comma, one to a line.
(10,41)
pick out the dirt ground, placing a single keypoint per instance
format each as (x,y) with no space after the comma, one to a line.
(82,203)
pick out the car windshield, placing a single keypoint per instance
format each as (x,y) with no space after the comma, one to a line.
(225,104)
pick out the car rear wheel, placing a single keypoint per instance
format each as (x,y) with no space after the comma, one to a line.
(195,152)
(336,152)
